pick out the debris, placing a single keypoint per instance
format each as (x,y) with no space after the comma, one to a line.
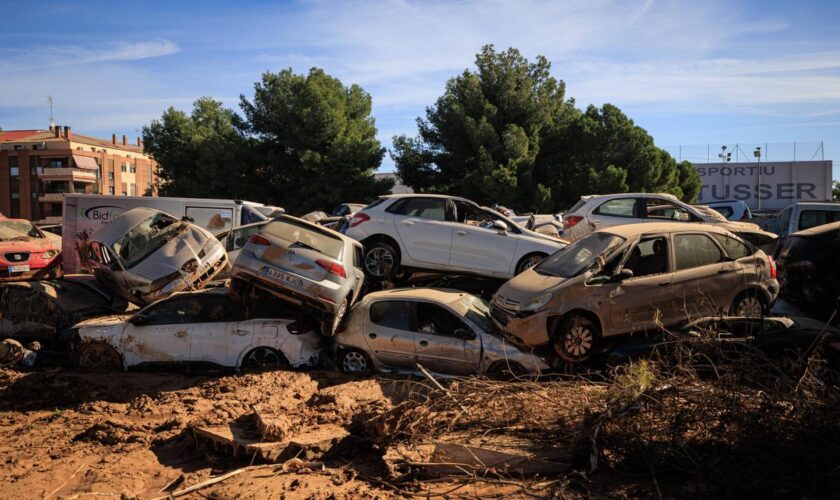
(13,353)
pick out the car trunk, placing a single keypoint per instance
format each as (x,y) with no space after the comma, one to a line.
(301,251)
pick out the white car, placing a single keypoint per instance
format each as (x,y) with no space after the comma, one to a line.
(596,212)
(444,233)
(731,209)
(204,328)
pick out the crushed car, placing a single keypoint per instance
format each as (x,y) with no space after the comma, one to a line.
(199,329)
(632,278)
(45,310)
(26,253)
(310,266)
(445,331)
(145,255)
(13,353)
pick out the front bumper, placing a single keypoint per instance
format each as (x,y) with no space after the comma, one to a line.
(38,270)
(196,280)
(530,328)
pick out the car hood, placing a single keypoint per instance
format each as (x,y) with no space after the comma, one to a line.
(174,254)
(104,321)
(32,245)
(525,287)
(740,226)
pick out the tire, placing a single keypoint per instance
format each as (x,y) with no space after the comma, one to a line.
(382,261)
(748,304)
(529,261)
(355,361)
(330,327)
(506,370)
(263,358)
(576,339)
(98,357)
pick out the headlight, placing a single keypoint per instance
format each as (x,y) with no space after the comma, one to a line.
(190,266)
(49,254)
(537,302)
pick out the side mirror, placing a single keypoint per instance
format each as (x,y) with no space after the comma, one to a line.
(139,320)
(500,226)
(463,333)
(187,218)
(624,274)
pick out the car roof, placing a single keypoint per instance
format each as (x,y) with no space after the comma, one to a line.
(113,231)
(423,195)
(630,230)
(441,295)
(589,197)
(825,228)
(317,228)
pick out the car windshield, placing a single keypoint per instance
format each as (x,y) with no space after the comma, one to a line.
(578,256)
(478,311)
(146,238)
(11,230)
(305,237)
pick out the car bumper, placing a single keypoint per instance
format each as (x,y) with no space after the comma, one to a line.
(37,271)
(307,297)
(529,328)
(206,272)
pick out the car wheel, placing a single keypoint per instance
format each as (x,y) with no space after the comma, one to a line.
(98,357)
(576,339)
(355,361)
(264,358)
(382,261)
(506,370)
(748,305)
(529,261)
(329,328)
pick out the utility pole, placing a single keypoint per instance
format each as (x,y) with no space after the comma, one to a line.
(52,122)
(757,154)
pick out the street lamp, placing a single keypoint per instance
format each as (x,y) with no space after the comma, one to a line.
(724,156)
(757,155)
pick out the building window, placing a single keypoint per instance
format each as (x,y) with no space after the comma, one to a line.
(111,176)
(56,163)
(14,170)
(123,168)
(133,170)
(110,189)
(132,188)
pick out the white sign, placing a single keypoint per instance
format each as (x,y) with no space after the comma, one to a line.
(765,186)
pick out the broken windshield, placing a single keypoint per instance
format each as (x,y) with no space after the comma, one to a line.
(145,238)
(18,231)
(578,256)
(478,311)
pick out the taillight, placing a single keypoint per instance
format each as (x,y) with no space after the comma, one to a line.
(570,221)
(258,239)
(332,267)
(358,219)
(772,263)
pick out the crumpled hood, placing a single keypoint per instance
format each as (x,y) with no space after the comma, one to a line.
(174,254)
(740,226)
(526,286)
(32,245)
(104,321)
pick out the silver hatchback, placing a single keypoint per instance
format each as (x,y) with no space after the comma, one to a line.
(305,264)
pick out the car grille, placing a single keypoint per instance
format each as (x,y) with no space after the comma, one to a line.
(17,256)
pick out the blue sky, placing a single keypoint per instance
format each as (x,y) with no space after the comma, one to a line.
(747,72)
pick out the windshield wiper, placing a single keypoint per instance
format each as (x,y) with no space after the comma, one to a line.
(304,245)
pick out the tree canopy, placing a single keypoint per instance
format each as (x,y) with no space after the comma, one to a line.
(506,133)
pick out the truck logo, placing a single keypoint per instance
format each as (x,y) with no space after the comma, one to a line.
(103,213)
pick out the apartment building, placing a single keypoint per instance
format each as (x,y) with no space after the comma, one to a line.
(38,166)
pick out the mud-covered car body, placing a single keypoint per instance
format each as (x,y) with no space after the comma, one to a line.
(45,310)
(632,278)
(446,331)
(201,328)
(26,252)
(145,255)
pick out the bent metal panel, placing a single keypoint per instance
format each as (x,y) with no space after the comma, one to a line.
(770,185)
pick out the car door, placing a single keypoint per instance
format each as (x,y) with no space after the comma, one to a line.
(436,344)
(219,334)
(478,246)
(614,212)
(387,332)
(703,278)
(643,301)
(161,333)
(424,229)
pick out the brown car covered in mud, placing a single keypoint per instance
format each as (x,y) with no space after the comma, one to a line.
(632,278)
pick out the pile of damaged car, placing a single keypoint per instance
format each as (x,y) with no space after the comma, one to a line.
(412,283)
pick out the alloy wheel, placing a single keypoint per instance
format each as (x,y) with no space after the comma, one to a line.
(578,341)
(262,357)
(379,261)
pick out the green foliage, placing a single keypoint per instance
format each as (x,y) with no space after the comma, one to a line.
(835,191)
(507,134)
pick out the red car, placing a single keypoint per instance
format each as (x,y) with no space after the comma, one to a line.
(26,253)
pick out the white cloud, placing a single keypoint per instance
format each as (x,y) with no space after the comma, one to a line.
(43,57)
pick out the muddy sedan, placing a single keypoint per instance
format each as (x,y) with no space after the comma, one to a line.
(445,331)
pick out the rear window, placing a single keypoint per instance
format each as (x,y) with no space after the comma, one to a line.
(814,218)
(305,236)
(376,203)
(766,243)
(734,249)
(576,206)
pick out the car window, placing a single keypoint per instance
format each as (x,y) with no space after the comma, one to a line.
(358,257)
(648,257)
(221,310)
(432,318)
(98,252)
(764,242)
(724,211)
(578,256)
(249,216)
(659,209)
(576,206)
(783,222)
(239,237)
(733,248)
(814,218)
(391,314)
(425,208)
(179,311)
(305,236)
(622,207)
(146,238)
(695,250)
(378,202)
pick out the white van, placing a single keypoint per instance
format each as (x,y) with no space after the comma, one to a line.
(85,213)
(802,215)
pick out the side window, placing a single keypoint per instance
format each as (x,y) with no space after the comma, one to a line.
(695,250)
(174,312)
(664,210)
(622,207)
(813,218)
(648,257)
(239,237)
(733,248)
(221,310)
(391,314)
(724,211)
(358,257)
(426,208)
(436,320)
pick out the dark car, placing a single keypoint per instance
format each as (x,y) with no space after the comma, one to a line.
(809,274)
(45,310)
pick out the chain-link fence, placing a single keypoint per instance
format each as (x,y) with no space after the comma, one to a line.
(748,152)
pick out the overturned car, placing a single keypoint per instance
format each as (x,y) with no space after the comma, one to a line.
(145,255)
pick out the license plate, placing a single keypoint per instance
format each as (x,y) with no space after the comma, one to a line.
(277,275)
(19,269)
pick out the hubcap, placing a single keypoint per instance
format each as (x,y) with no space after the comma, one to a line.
(379,262)
(354,362)
(262,358)
(578,341)
(338,316)
(749,307)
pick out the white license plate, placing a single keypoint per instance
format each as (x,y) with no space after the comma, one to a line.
(277,275)
(19,269)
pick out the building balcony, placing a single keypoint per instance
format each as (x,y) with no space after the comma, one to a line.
(67,174)
(51,198)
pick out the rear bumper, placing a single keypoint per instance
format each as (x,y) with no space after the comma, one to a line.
(307,299)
